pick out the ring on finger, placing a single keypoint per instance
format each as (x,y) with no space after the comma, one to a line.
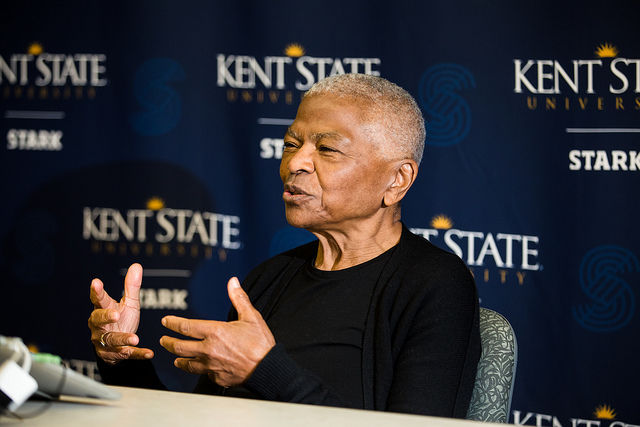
(102,343)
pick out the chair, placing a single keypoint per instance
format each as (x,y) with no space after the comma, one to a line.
(491,398)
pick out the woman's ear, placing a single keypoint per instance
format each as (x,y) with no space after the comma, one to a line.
(405,175)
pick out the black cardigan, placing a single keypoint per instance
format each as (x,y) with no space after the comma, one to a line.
(421,342)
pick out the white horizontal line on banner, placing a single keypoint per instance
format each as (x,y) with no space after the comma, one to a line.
(161,272)
(271,121)
(603,130)
(37,115)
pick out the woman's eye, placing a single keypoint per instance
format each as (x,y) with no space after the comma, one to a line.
(289,144)
(326,149)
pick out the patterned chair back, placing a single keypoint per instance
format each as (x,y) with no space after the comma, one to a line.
(491,398)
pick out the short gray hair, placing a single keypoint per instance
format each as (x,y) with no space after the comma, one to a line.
(390,110)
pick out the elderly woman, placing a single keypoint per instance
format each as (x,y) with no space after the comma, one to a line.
(368,316)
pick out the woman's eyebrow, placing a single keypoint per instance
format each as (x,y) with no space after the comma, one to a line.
(290,132)
(317,136)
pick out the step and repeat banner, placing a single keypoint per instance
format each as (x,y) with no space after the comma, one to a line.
(152,132)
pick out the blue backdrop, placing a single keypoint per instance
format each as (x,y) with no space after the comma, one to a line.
(152,131)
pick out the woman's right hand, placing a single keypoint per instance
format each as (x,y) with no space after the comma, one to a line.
(114,324)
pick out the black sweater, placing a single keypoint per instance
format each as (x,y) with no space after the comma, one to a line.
(421,342)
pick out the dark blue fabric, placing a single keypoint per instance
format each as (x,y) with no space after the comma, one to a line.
(162,105)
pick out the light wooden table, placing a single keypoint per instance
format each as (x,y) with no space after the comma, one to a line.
(146,408)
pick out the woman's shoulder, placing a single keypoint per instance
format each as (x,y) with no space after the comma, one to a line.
(422,266)
(269,269)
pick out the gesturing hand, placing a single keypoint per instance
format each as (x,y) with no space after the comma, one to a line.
(114,324)
(227,351)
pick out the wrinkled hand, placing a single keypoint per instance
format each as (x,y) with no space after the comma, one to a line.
(116,323)
(227,351)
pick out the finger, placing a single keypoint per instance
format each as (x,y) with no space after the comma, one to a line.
(190,327)
(99,297)
(184,348)
(100,317)
(124,353)
(240,300)
(118,339)
(132,283)
(193,366)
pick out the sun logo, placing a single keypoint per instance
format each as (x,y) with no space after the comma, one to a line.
(155,204)
(441,222)
(605,412)
(606,50)
(35,49)
(294,49)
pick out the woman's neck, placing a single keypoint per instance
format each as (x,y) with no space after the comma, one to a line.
(349,246)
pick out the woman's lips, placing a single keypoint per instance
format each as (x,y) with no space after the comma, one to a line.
(292,193)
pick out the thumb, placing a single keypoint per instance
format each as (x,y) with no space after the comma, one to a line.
(99,297)
(240,300)
(132,283)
